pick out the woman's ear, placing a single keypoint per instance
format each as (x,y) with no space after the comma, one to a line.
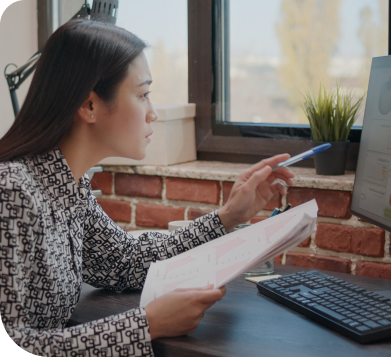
(89,109)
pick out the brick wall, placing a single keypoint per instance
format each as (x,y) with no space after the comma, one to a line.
(342,243)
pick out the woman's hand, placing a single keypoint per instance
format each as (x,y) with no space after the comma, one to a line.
(253,189)
(179,312)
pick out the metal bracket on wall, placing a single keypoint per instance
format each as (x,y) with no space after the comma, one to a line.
(91,173)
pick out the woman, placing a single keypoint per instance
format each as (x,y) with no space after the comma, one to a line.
(89,100)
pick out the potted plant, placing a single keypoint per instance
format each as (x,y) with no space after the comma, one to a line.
(331,115)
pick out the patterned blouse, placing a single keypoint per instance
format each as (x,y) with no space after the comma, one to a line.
(53,236)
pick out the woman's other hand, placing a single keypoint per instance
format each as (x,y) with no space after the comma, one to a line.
(253,189)
(179,312)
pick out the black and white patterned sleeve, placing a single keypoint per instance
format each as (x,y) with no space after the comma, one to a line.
(114,259)
(125,334)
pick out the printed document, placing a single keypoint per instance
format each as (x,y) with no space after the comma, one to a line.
(223,259)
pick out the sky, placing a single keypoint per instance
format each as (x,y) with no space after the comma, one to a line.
(152,20)
(260,17)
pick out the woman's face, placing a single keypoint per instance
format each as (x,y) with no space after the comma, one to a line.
(126,127)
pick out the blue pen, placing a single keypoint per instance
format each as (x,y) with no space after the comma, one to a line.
(302,156)
(275,212)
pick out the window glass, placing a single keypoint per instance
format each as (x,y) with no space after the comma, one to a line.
(280,48)
(163,25)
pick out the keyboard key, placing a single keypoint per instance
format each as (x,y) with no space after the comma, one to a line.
(294,290)
(307,295)
(371,324)
(363,319)
(347,321)
(273,286)
(359,290)
(321,291)
(381,305)
(383,313)
(362,328)
(354,324)
(384,322)
(351,315)
(341,310)
(329,312)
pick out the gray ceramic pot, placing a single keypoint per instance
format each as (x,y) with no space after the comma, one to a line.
(333,160)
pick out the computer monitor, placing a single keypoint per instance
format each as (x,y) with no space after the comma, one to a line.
(371,199)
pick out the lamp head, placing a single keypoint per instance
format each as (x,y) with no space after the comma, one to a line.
(104,11)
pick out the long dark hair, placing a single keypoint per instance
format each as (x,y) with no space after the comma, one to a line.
(79,57)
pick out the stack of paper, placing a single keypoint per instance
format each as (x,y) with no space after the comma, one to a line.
(223,259)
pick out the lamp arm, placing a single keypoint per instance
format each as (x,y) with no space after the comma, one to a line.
(17,77)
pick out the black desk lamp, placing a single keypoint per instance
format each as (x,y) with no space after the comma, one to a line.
(103,11)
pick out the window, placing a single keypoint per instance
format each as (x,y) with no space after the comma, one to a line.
(224,62)
(254,109)
(163,25)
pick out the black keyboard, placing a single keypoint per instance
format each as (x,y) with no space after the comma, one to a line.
(359,314)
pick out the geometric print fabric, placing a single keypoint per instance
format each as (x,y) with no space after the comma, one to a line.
(53,236)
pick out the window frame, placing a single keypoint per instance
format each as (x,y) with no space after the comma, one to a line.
(45,21)
(236,142)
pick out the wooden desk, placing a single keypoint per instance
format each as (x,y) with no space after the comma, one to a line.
(244,323)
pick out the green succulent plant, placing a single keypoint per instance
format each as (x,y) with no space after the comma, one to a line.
(331,114)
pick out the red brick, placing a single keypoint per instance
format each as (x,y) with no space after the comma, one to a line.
(334,237)
(331,203)
(305,243)
(318,262)
(193,190)
(374,270)
(275,201)
(278,259)
(102,181)
(257,219)
(368,241)
(150,215)
(363,241)
(227,187)
(138,185)
(119,211)
(195,213)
